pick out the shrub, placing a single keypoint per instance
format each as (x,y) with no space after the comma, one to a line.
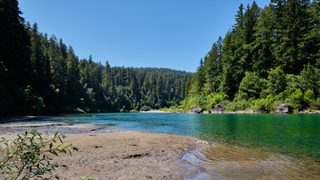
(315,104)
(214,99)
(297,100)
(263,104)
(27,155)
(309,95)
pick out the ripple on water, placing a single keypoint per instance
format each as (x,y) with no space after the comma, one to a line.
(222,161)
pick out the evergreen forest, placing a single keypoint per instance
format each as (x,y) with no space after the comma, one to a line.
(270,56)
(42,75)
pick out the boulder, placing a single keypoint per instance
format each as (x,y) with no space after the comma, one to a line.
(145,108)
(206,112)
(218,109)
(196,111)
(282,109)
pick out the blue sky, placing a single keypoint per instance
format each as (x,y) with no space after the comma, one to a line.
(136,33)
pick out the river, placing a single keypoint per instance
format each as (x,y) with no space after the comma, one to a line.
(243,146)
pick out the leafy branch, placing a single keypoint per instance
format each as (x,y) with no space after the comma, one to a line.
(27,155)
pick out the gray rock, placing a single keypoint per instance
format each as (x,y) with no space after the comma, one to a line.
(283,109)
(304,112)
(196,111)
(206,112)
(219,109)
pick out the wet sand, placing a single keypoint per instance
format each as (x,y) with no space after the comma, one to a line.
(120,155)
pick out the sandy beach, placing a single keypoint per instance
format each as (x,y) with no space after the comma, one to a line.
(120,155)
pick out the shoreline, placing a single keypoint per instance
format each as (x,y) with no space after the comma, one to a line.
(153,111)
(250,112)
(117,155)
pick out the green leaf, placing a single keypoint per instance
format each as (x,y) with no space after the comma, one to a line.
(68,145)
(53,152)
(55,135)
(60,139)
(58,146)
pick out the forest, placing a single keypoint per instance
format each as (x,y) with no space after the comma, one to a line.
(270,56)
(42,75)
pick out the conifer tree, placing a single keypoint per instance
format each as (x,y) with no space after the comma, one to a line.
(73,84)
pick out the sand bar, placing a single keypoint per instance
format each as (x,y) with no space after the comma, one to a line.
(121,155)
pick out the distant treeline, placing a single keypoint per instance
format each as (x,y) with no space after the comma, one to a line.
(42,75)
(270,56)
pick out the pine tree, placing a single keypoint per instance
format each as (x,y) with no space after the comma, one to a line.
(292,19)
(73,84)
(262,56)
(199,78)
(14,43)
(36,59)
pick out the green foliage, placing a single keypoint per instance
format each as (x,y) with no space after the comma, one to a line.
(309,95)
(214,99)
(276,82)
(30,155)
(310,78)
(298,99)
(239,105)
(264,104)
(279,42)
(315,103)
(251,86)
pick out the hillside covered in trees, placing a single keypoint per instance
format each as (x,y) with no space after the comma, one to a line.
(42,75)
(270,56)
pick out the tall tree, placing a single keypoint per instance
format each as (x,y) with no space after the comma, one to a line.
(262,56)
(14,43)
(293,22)
(73,77)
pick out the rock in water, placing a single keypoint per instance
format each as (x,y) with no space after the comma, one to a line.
(282,109)
(196,111)
(219,109)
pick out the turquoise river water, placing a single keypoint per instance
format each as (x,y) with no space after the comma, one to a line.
(244,146)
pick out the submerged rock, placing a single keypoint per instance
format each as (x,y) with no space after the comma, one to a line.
(219,109)
(282,109)
(196,111)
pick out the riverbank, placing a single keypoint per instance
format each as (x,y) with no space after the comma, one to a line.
(153,111)
(237,112)
(120,155)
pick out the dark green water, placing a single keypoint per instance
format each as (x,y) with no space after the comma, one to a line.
(291,134)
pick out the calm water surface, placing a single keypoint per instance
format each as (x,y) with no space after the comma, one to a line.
(245,146)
